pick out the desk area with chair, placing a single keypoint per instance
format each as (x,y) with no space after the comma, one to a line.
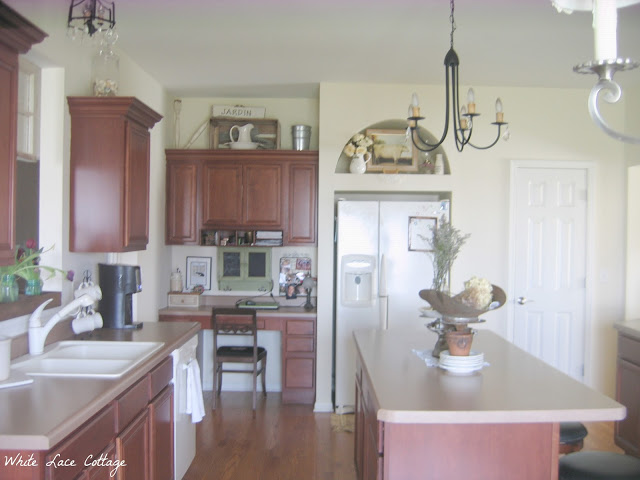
(297,332)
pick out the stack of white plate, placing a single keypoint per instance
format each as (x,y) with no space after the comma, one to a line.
(461,364)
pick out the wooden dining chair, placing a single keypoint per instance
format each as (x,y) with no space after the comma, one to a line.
(236,321)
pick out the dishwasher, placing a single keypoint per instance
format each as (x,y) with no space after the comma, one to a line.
(184,431)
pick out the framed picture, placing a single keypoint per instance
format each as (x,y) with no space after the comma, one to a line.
(199,272)
(392,151)
(293,271)
(421,232)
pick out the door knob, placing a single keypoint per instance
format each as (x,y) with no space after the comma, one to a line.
(523,300)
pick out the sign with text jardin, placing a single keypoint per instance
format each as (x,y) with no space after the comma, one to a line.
(238,111)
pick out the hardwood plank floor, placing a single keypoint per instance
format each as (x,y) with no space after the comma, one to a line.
(290,442)
(280,442)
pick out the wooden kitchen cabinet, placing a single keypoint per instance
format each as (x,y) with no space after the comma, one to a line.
(242,194)
(132,447)
(627,431)
(109,204)
(368,446)
(161,435)
(135,428)
(299,360)
(182,221)
(222,195)
(17,35)
(241,190)
(302,203)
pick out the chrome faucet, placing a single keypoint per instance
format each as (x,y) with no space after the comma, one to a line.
(85,297)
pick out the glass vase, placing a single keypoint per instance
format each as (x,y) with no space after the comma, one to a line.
(8,289)
(33,287)
(105,73)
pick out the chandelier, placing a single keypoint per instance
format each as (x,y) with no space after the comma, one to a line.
(87,17)
(463,117)
(606,63)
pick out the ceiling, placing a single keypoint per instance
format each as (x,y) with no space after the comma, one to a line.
(285,48)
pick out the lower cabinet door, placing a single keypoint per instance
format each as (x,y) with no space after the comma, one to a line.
(103,467)
(161,422)
(132,448)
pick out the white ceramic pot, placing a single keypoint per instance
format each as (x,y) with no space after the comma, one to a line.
(359,163)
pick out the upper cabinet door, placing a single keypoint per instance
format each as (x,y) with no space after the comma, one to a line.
(262,202)
(222,194)
(182,202)
(17,35)
(109,205)
(302,203)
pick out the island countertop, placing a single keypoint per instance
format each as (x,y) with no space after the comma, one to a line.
(39,415)
(515,388)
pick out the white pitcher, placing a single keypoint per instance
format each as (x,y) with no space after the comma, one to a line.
(358,163)
(244,133)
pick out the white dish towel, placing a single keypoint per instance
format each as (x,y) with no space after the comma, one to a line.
(195,403)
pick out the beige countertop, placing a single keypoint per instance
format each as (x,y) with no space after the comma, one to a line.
(288,308)
(515,388)
(39,415)
(630,328)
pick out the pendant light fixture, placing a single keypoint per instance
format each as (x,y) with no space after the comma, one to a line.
(607,62)
(88,17)
(463,116)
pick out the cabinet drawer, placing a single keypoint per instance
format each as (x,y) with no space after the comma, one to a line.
(300,344)
(90,439)
(160,377)
(629,349)
(300,327)
(130,403)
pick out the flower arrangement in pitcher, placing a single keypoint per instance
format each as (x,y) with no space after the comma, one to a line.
(357,145)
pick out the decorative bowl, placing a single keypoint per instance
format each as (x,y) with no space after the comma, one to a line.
(452,308)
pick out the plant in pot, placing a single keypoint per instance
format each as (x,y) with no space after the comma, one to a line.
(27,267)
(455,313)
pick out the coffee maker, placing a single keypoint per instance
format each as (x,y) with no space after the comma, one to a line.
(118,284)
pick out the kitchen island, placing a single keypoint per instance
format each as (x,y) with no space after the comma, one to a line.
(502,422)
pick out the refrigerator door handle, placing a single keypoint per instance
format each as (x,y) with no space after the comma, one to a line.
(382,294)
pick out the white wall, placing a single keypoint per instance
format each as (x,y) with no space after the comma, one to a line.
(546,124)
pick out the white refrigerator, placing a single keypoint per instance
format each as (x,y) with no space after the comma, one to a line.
(382,263)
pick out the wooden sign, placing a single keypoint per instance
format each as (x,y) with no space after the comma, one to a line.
(238,111)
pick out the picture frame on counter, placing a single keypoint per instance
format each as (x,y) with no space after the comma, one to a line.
(198,272)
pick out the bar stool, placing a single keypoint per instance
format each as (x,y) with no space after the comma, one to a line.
(572,437)
(599,466)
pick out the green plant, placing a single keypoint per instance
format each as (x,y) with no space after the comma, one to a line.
(27,264)
(445,244)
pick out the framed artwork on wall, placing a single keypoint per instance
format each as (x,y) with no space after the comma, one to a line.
(199,272)
(421,231)
(392,151)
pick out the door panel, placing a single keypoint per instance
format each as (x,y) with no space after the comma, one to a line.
(549,238)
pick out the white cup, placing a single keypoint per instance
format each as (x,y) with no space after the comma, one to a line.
(5,357)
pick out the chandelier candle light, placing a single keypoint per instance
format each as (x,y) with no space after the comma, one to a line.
(462,116)
(606,63)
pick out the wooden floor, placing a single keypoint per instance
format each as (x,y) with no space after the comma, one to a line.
(285,442)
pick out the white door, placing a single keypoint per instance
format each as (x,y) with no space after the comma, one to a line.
(549,264)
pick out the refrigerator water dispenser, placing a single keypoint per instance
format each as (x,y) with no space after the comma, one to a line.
(357,280)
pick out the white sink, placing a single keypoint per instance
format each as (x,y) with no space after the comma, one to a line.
(87,359)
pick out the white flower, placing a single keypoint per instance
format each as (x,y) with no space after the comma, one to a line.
(349,149)
(478,293)
(358,145)
(356,138)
